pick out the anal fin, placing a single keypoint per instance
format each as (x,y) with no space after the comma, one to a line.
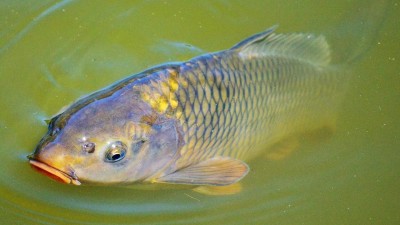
(320,134)
(286,146)
(219,190)
(283,148)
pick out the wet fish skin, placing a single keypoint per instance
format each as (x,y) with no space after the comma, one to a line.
(197,122)
(236,104)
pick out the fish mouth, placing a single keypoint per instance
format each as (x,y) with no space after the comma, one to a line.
(54,173)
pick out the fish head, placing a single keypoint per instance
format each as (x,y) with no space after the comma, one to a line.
(107,142)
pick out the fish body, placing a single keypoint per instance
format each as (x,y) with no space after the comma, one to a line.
(199,121)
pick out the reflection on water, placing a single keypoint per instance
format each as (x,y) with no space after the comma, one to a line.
(53,52)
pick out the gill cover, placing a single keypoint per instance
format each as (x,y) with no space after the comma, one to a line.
(164,142)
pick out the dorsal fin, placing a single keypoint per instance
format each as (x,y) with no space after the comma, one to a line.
(307,47)
(254,39)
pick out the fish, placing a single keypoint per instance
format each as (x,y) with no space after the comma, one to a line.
(198,122)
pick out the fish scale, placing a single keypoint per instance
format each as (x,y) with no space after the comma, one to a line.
(261,95)
(197,122)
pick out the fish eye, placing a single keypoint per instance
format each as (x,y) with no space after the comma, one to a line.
(116,151)
(88,147)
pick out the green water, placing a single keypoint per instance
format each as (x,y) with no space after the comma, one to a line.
(52,52)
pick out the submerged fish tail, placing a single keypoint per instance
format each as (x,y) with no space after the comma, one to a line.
(353,38)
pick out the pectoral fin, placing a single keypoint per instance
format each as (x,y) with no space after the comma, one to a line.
(219,171)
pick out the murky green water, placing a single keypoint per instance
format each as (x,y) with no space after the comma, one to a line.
(52,52)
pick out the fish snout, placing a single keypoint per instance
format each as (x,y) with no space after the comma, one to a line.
(50,162)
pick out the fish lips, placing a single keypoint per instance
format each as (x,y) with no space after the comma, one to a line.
(52,172)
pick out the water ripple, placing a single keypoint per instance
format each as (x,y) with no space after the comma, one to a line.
(32,24)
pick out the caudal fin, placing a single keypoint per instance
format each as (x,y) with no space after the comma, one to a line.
(358,30)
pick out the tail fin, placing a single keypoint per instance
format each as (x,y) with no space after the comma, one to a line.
(358,30)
